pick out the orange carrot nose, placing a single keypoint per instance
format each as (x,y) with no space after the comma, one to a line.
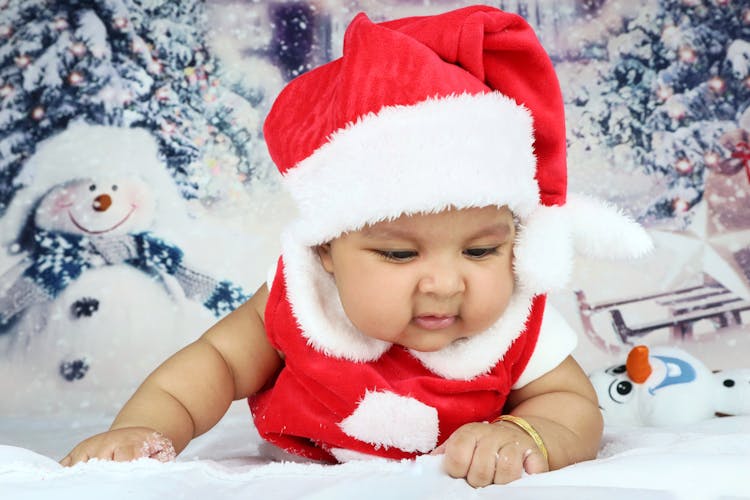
(102,202)
(637,364)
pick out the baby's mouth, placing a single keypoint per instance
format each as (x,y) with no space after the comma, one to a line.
(432,322)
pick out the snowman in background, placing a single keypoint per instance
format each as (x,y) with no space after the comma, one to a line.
(99,290)
(666,386)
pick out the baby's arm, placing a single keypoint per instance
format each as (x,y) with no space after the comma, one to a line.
(561,406)
(190,391)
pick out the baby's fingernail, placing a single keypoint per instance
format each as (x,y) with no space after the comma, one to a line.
(527,453)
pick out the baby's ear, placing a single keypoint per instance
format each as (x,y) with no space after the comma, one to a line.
(324,254)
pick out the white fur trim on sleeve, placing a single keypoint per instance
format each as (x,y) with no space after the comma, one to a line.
(556,341)
(389,420)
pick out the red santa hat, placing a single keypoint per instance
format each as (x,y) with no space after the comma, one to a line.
(421,114)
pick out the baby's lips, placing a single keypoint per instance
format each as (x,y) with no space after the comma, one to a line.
(429,322)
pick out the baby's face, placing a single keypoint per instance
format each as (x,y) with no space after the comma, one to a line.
(425,281)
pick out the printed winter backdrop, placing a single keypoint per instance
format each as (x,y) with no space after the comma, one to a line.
(137,202)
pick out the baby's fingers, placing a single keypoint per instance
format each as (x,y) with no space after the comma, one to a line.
(122,445)
(459,450)
(68,460)
(508,464)
(118,453)
(492,465)
(534,461)
(78,455)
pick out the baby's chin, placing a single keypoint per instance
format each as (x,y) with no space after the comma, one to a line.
(433,346)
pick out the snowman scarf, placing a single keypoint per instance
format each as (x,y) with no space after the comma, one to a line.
(56,259)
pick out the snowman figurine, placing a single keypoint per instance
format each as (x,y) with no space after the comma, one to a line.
(97,296)
(665,386)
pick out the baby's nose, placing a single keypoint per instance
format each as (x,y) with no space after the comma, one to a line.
(442,281)
(102,202)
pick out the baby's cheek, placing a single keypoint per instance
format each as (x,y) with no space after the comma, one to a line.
(484,312)
(376,315)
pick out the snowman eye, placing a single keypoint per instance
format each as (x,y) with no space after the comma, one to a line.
(114,187)
(616,370)
(620,391)
(92,187)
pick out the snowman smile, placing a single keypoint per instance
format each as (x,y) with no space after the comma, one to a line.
(111,228)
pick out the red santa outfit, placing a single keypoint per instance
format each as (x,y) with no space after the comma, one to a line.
(420,114)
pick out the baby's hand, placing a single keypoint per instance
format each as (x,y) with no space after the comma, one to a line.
(491,453)
(122,445)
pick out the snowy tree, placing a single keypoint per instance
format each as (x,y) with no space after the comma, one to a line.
(131,63)
(667,93)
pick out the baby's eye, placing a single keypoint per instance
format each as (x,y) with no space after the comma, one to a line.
(478,253)
(397,255)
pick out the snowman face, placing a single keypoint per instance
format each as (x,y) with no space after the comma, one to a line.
(97,207)
(616,394)
(677,390)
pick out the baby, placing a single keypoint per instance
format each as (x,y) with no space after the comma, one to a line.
(406,314)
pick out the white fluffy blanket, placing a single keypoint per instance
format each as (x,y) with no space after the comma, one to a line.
(702,461)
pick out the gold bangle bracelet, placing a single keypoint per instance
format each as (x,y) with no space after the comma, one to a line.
(523,424)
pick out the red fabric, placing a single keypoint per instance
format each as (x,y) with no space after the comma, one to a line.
(301,410)
(403,62)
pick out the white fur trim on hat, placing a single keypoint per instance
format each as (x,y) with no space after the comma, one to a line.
(458,151)
(602,231)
